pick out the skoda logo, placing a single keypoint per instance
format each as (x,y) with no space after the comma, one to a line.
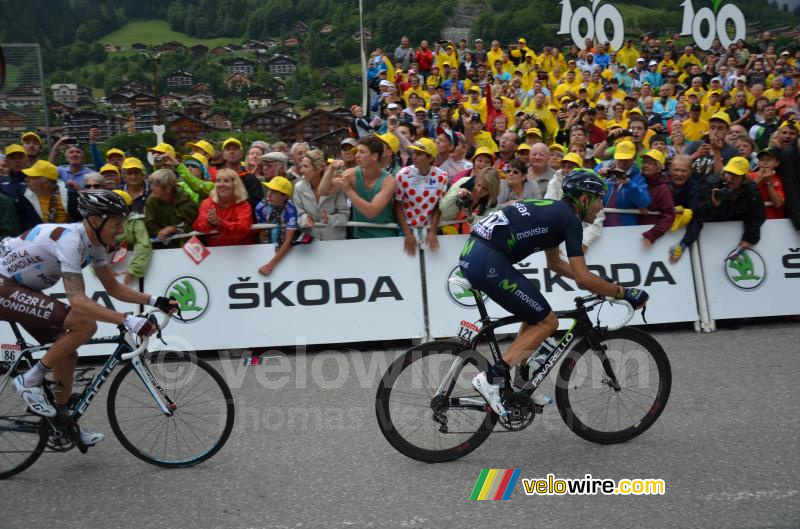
(192,296)
(459,295)
(747,271)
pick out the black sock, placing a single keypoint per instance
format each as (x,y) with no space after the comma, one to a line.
(498,372)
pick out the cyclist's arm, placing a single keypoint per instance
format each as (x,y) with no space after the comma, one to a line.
(589,281)
(117,290)
(79,302)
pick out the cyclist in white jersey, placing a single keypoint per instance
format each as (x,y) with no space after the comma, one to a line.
(35,261)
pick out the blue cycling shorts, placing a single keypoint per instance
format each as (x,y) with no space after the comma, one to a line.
(491,272)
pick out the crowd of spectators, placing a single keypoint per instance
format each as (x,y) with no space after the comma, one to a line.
(454,131)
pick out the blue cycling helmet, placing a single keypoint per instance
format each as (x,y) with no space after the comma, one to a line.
(583,182)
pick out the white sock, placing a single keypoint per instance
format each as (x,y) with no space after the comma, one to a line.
(35,375)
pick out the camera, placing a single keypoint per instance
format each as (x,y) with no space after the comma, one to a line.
(160,157)
(465,202)
(71,141)
(722,193)
(615,174)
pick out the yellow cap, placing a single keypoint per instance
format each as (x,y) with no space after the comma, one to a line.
(722,116)
(125,196)
(656,155)
(231,141)
(132,163)
(737,165)
(475,88)
(425,145)
(280,184)
(30,134)
(203,145)
(788,123)
(635,110)
(624,150)
(15,148)
(198,157)
(573,157)
(523,147)
(109,167)
(391,140)
(111,152)
(163,148)
(533,130)
(42,169)
(483,150)
(419,109)
(557,147)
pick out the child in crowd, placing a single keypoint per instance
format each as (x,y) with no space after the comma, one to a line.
(276,208)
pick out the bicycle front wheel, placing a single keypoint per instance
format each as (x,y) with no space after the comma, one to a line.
(426,406)
(22,435)
(589,402)
(202,410)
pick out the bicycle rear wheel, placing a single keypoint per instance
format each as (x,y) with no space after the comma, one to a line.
(200,400)
(598,412)
(23,436)
(429,426)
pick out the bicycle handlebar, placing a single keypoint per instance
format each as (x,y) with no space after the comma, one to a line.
(146,340)
(595,299)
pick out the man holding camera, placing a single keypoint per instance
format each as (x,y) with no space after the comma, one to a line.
(74,170)
(711,153)
(627,186)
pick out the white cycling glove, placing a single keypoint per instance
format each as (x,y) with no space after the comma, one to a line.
(138,325)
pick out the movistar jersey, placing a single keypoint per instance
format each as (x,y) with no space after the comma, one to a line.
(532,225)
(39,257)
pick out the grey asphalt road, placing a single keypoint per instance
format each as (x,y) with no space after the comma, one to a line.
(309,454)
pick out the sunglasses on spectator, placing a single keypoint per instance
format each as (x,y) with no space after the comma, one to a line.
(94,186)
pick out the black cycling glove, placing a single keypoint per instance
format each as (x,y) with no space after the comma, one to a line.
(636,297)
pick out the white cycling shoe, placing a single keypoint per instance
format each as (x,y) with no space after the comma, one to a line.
(542,400)
(490,393)
(34,397)
(91,438)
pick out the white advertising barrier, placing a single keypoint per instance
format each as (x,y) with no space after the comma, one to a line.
(323,293)
(763,281)
(619,254)
(95,291)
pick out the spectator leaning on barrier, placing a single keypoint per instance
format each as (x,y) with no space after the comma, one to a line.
(370,189)
(661,203)
(769,183)
(419,189)
(135,237)
(277,208)
(226,211)
(516,186)
(49,197)
(470,197)
(627,187)
(313,208)
(169,210)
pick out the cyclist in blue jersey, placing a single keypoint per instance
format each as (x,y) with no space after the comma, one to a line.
(512,233)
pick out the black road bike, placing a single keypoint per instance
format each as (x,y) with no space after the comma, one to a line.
(168,408)
(613,384)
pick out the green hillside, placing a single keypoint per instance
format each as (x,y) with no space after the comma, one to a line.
(154,32)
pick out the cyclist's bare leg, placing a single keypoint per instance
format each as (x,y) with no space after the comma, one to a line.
(62,356)
(529,339)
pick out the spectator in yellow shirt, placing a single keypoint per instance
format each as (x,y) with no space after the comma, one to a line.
(619,119)
(495,53)
(569,87)
(776,90)
(521,49)
(688,58)
(475,102)
(628,54)
(694,128)
(696,89)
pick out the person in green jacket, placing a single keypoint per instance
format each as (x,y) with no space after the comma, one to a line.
(135,236)
(169,210)
(193,174)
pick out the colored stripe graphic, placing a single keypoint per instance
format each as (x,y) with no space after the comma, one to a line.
(487,484)
(479,484)
(495,484)
(512,483)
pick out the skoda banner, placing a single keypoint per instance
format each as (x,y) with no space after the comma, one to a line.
(323,293)
(761,281)
(619,254)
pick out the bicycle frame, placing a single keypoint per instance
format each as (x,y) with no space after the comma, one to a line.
(91,390)
(581,327)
